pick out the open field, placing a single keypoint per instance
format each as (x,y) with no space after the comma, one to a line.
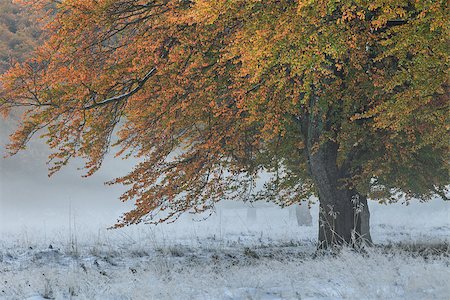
(228,257)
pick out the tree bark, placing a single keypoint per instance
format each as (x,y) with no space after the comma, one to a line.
(344,214)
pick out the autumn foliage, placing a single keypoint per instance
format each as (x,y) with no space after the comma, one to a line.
(19,33)
(208,94)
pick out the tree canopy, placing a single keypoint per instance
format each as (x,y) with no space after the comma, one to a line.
(208,94)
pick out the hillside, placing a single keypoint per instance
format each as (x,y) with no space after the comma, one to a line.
(19,33)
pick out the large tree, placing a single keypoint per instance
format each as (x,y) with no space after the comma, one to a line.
(346,100)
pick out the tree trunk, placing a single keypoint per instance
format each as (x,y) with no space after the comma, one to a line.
(344,222)
(303,215)
(344,214)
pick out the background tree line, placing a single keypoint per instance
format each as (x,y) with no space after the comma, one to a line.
(19,33)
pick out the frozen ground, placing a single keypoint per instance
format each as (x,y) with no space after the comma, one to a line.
(225,257)
(54,244)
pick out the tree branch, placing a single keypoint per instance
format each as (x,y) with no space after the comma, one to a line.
(126,95)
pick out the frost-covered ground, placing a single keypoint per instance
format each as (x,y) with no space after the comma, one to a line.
(54,244)
(227,256)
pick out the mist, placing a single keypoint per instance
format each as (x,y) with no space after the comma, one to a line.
(53,234)
(349,94)
(30,199)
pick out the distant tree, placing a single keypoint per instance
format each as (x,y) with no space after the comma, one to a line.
(342,99)
(19,33)
(303,215)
